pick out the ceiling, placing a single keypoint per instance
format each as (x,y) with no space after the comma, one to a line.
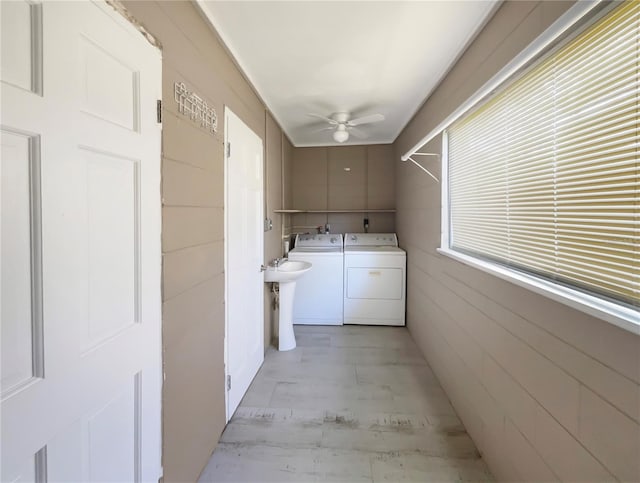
(358,57)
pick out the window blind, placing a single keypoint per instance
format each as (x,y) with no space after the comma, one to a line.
(545,176)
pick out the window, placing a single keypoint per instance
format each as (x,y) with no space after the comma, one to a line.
(544,178)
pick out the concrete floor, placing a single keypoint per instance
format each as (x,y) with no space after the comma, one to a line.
(352,404)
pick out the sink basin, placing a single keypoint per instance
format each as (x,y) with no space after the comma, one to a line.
(287,271)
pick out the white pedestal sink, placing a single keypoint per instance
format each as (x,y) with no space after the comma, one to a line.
(286,275)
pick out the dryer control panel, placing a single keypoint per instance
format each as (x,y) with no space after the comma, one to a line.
(371,239)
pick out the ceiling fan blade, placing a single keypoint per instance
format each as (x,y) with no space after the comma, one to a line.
(358,133)
(329,128)
(329,120)
(366,119)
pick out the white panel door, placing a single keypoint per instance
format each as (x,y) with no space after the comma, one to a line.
(244,254)
(80,307)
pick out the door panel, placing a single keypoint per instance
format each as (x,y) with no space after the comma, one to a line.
(20,245)
(81,233)
(101,445)
(21,37)
(115,101)
(113,248)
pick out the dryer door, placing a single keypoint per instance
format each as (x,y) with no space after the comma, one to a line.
(374,283)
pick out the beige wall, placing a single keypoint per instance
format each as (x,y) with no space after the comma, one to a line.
(546,392)
(319,181)
(193,228)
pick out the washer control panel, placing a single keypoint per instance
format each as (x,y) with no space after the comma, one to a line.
(333,240)
(371,239)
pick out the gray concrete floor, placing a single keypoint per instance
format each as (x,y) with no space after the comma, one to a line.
(352,404)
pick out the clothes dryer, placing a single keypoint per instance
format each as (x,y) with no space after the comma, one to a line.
(374,279)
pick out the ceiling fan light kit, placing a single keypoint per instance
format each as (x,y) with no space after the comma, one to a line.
(341,134)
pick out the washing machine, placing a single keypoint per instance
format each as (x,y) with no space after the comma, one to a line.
(374,279)
(319,293)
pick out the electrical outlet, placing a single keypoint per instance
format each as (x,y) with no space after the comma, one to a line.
(268,224)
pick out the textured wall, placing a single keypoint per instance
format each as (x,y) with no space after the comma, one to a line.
(547,392)
(320,182)
(193,228)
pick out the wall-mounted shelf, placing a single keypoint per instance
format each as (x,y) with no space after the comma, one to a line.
(335,211)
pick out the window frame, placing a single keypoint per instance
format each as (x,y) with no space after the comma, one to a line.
(623,316)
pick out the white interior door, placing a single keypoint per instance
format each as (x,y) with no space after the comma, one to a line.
(80,245)
(244,254)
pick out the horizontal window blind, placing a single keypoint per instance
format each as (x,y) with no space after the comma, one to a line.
(545,176)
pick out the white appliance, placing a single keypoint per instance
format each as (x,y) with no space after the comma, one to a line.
(319,294)
(374,279)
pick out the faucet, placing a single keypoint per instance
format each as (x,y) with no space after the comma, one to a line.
(277,261)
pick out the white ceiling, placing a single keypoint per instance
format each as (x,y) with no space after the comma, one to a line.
(359,57)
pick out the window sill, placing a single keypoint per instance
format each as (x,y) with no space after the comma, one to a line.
(623,317)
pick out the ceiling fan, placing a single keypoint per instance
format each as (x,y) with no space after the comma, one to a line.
(342,125)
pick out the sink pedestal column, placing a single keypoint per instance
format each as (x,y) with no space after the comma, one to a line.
(286,337)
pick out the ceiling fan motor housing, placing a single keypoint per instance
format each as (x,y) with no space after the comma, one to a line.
(341,117)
